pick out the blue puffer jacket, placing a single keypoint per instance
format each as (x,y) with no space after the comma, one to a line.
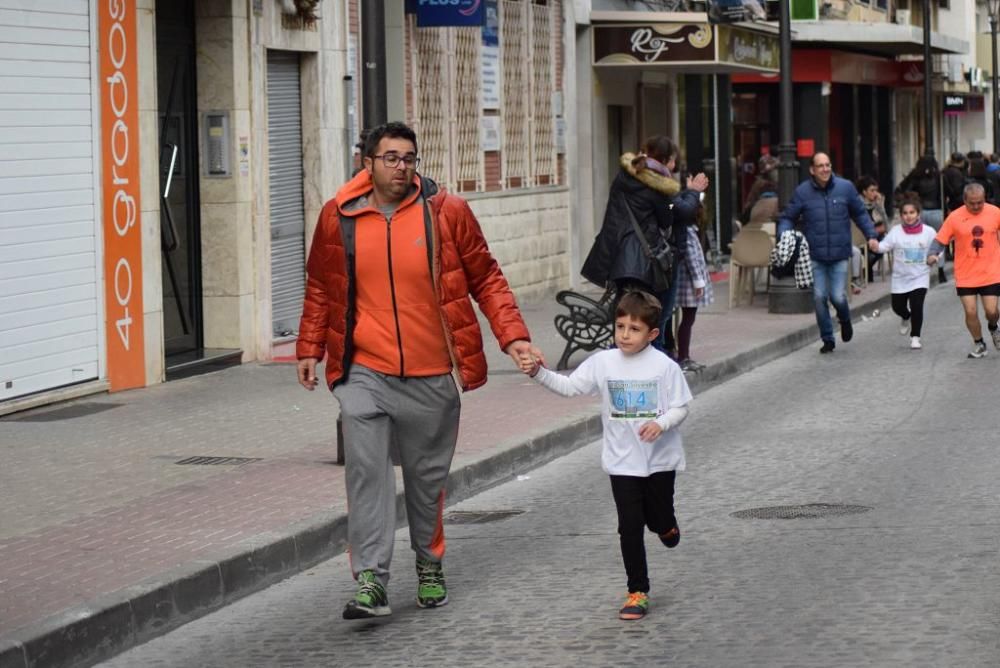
(826,215)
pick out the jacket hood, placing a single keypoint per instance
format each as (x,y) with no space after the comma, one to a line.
(353,196)
(649,178)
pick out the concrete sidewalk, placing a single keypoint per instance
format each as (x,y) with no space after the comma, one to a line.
(108,538)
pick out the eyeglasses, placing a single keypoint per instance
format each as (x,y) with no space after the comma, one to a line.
(392,160)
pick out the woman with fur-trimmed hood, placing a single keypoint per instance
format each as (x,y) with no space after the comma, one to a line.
(659,205)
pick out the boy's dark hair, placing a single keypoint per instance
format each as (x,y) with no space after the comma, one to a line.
(640,305)
(864,183)
(393,130)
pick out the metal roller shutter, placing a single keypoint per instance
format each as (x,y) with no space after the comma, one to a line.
(284,125)
(49,329)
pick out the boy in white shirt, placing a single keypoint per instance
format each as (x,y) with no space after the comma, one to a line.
(644,399)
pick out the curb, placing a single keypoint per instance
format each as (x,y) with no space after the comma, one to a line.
(87,634)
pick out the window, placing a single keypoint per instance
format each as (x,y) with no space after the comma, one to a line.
(447,108)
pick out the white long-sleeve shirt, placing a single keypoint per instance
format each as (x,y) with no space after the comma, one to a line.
(634,389)
(909,258)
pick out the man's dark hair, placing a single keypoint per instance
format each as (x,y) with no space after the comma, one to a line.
(640,305)
(393,130)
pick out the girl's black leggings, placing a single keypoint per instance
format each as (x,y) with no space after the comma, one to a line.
(910,306)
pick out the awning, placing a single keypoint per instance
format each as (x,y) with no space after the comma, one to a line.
(886,39)
(695,48)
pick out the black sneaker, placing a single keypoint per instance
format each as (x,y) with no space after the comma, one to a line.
(846,331)
(370,601)
(827,347)
(672,537)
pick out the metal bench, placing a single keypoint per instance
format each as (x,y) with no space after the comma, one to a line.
(587,326)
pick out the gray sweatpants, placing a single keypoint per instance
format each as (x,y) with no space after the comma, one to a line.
(421,416)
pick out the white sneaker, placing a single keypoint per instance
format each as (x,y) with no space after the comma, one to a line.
(915,343)
(978,351)
(996,338)
(904,326)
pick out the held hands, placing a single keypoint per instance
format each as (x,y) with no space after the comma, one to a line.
(873,245)
(650,431)
(932,260)
(526,356)
(307,373)
(698,183)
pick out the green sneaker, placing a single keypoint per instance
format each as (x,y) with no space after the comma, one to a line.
(370,601)
(431,590)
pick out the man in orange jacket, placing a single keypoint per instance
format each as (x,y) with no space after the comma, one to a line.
(393,264)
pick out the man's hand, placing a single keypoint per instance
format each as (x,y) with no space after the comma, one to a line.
(525,355)
(650,431)
(932,260)
(873,245)
(699,182)
(307,373)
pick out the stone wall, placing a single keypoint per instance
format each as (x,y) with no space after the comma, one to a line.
(529,235)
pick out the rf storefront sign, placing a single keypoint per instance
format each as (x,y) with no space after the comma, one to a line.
(120,185)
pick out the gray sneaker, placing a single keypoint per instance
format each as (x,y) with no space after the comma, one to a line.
(996,338)
(978,350)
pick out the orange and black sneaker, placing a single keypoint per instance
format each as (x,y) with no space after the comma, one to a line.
(636,606)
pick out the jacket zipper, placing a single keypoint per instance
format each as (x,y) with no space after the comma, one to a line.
(392,292)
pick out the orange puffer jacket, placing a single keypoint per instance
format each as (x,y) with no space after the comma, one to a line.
(461,265)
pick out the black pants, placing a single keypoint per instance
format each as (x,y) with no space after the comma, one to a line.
(642,502)
(910,306)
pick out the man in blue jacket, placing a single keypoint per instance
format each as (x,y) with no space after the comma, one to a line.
(826,204)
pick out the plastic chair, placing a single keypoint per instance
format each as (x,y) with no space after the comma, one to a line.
(749,251)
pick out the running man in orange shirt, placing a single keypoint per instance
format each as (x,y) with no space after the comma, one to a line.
(975,228)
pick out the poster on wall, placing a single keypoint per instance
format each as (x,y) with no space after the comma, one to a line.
(489,133)
(489,77)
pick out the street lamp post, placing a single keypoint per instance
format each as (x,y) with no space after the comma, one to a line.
(784,296)
(993,7)
(928,72)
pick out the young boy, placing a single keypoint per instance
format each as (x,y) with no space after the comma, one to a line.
(644,400)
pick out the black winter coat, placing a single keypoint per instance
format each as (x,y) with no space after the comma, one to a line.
(926,186)
(954,182)
(617,255)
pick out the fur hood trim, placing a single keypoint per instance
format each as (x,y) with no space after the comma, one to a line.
(649,178)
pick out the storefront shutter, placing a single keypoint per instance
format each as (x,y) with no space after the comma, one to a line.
(284,124)
(49,329)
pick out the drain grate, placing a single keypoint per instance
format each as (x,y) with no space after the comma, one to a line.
(216,461)
(479,516)
(806,511)
(82,409)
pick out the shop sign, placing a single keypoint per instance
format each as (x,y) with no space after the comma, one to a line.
(119,87)
(954,104)
(443,13)
(751,49)
(491,24)
(489,77)
(650,44)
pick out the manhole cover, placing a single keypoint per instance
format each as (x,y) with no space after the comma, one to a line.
(215,461)
(805,511)
(479,516)
(69,412)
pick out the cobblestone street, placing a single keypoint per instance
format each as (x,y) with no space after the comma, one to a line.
(911,582)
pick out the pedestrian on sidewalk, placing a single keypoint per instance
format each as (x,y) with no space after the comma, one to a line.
(393,264)
(974,228)
(825,204)
(644,399)
(646,191)
(694,290)
(953,179)
(909,244)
